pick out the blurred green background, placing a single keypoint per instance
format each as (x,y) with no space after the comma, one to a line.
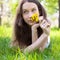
(7,13)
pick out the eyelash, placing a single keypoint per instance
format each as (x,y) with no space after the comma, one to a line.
(33,9)
(25,12)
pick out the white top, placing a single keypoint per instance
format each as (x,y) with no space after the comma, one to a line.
(48,42)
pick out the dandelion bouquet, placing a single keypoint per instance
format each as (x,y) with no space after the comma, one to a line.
(34,17)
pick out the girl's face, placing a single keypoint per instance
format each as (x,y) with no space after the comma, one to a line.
(29,8)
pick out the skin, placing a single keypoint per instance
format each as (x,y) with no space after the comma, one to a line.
(29,8)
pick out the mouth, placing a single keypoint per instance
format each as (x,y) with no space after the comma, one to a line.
(31,21)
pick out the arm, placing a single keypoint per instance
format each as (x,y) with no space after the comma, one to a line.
(34,34)
(36,44)
(41,41)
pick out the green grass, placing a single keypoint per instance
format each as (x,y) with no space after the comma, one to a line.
(7,53)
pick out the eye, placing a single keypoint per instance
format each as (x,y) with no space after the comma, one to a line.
(25,11)
(33,9)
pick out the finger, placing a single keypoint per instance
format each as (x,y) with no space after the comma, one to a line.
(43,26)
(35,25)
(47,24)
(40,19)
(43,22)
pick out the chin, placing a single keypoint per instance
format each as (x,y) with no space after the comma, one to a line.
(31,24)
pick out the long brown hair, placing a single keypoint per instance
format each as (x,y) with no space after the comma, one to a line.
(22,30)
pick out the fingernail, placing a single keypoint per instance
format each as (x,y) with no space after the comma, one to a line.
(41,17)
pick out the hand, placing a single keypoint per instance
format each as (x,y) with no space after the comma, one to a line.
(34,32)
(45,25)
(35,26)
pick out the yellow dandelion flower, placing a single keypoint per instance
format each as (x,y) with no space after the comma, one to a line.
(34,17)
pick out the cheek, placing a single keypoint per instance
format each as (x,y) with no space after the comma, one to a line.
(25,17)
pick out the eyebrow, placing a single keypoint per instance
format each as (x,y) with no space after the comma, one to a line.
(24,9)
(32,8)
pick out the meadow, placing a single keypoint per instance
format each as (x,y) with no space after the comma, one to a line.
(8,53)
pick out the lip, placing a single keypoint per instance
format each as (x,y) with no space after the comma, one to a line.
(31,21)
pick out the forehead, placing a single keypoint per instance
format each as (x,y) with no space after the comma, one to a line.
(29,5)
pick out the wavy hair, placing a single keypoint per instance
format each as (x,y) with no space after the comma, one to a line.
(22,30)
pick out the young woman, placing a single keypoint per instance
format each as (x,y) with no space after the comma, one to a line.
(28,34)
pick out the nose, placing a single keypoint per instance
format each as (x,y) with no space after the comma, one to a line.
(30,14)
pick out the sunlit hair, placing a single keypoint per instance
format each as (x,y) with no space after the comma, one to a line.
(22,30)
